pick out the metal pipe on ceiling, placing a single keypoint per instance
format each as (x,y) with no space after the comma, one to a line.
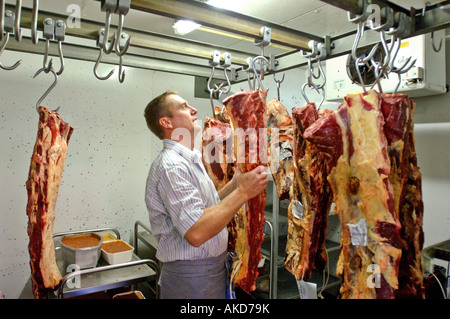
(225,20)
(140,39)
(436,17)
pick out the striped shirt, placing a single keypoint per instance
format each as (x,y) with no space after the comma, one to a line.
(177,192)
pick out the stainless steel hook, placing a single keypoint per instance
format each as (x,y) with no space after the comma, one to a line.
(433,45)
(34,20)
(125,38)
(121,71)
(226,64)
(100,43)
(317,90)
(359,34)
(51,86)
(278,82)
(60,34)
(258,77)
(108,6)
(123,6)
(8,24)
(17,29)
(49,32)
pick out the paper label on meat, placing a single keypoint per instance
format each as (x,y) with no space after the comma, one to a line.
(285,151)
(307,290)
(297,209)
(358,233)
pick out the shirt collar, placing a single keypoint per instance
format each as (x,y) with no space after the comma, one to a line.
(193,156)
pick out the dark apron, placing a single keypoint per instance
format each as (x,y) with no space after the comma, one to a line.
(194,279)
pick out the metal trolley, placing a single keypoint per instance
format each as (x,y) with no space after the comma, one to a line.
(104,276)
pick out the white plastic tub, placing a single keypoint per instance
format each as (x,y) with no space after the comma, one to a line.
(124,255)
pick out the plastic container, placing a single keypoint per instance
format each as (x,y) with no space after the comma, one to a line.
(84,257)
(117,252)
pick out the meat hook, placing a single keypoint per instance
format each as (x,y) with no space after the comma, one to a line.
(278,82)
(100,43)
(34,20)
(121,71)
(17,29)
(60,32)
(50,69)
(49,32)
(108,6)
(359,34)
(315,87)
(264,59)
(226,64)
(123,6)
(7,25)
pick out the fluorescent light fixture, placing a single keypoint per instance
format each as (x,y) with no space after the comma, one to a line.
(182,27)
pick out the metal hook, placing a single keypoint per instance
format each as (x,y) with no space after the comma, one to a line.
(17,29)
(359,34)
(259,57)
(108,6)
(8,68)
(49,31)
(125,37)
(317,90)
(278,82)
(433,45)
(121,71)
(60,32)
(8,24)
(359,62)
(432,33)
(50,88)
(250,84)
(34,20)
(100,42)
(123,6)
(226,64)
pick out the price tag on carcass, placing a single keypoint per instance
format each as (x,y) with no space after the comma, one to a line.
(307,290)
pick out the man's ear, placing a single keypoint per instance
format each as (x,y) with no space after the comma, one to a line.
(165,122)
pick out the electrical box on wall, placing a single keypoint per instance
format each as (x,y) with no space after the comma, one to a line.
(426,77)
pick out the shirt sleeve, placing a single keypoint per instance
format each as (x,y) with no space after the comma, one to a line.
(181,198)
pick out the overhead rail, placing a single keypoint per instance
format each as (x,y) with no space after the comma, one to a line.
(422,20)
(140,39)
(226,20)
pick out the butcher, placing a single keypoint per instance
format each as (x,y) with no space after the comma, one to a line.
(187,214)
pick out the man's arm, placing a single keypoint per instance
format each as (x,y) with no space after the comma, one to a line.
(231,185)
(217,217)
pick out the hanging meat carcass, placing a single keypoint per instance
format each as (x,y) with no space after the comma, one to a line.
(310,201)
(218,159)
(406,179)
(280,138)
(354,139)
(248,113)
(46,168)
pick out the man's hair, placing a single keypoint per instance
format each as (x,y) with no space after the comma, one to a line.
(157,109)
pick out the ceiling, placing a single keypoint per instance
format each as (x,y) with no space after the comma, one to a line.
(310,16)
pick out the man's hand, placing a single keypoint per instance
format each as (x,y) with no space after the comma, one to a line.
(252,183)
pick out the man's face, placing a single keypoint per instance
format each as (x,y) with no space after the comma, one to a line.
(183,115)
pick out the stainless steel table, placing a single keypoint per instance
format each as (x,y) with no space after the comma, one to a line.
(104,276)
